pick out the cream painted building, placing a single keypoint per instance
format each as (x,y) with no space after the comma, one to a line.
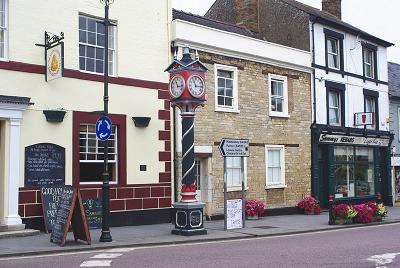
(140,161)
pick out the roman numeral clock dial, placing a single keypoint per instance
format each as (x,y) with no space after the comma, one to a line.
(196,86)
(176,86)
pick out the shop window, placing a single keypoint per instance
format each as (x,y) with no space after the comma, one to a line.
(369,56)
(334,50)
(354,171)
(3,29)
(88,151)
(275,164)
(226,89)
(278,95)
(234,171)
(91,45)
(371,106)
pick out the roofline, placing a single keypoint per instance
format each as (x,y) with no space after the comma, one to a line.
(360,33)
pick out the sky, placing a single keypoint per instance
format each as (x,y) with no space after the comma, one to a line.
(380,18)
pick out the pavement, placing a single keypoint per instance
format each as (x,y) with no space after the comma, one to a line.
(160,234)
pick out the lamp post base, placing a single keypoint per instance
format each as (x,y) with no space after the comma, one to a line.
(189,219)
(105,236)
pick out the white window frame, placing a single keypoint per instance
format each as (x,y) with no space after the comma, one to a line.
(285,104)
(337,54)
(5,29)
(233,188)
(235,93)
(112,29)
(371,64)
(373,106)
(282,183)
(339,108)
(115,161)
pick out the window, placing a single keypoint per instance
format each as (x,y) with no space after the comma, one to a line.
(275,164)
(278,95)
(234,171)
(226,89)
(354,171)
(3,29)
(334,108)
(371,106)
(197,173)
(92,154)
(91,46)
(88,151)
(369,61)
(334,50)
(335,103)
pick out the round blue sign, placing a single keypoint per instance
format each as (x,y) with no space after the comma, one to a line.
(103,128)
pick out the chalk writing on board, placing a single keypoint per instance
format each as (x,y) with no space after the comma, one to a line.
(234,210)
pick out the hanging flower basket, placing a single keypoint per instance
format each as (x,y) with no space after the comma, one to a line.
(55,116)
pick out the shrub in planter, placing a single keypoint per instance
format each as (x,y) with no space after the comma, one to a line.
(254,208)
(309,205)
(343,213)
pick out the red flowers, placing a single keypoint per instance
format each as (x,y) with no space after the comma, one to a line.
(254,207)
(359,213)
(310,205)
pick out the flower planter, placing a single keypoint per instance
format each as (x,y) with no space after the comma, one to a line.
(55,116)
(343,221)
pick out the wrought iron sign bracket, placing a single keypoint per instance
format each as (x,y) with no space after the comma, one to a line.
(51,39)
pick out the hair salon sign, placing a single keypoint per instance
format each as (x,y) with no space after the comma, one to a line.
(353,140)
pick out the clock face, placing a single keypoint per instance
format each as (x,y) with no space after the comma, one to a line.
(196,86)
(176,86)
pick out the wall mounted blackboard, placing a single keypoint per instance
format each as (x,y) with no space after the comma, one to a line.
(50,199)
(93,211)
(44,165)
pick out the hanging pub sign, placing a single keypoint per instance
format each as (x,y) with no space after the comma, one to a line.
(54,55)
(363,119)
(353,140)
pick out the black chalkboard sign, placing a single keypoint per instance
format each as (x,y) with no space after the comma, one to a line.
(50,199)
(70,213)
(93,210)
(44,164)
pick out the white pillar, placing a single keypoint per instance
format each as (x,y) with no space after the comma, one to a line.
(13,218)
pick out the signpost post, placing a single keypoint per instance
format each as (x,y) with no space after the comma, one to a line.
(234,148)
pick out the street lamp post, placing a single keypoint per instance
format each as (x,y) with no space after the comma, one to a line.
(105,230)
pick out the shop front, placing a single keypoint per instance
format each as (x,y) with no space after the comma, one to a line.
(351,164)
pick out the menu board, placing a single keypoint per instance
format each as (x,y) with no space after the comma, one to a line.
(234,216)
(50,199)
(93,211)
(61,222)
(44,165)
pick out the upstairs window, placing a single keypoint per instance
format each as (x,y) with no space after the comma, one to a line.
(278,95)
(335,105)
(3,29)
(371,106)
(226,89)
(369,63)
(91,46)
(334,50)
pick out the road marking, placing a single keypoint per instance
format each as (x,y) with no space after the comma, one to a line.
(106,256)
(102,263)
(116,250)
(383,259)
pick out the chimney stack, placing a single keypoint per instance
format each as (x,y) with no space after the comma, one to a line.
(333,7)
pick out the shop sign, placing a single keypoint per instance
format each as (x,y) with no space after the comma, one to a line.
(363,119)
(353,140)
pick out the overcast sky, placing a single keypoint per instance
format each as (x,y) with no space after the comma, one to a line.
(380,18)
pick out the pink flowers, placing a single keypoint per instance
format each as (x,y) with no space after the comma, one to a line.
(309,205)
(255,208)
(359,213)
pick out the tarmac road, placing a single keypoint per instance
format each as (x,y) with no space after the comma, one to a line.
(370,246)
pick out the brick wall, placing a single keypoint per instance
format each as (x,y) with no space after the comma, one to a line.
(254,123)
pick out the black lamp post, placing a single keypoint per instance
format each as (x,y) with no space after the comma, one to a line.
(105,230)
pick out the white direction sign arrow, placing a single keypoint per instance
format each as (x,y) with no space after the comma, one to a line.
(234,148)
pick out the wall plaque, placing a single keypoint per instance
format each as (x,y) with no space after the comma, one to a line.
(44,165)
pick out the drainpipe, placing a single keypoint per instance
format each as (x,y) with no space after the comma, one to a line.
(314,148)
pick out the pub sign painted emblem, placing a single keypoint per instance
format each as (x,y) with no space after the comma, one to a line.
(54,62)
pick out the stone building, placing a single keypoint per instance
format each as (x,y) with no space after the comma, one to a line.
(256,90)
(349,82)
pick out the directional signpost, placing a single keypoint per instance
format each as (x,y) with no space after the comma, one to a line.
(103,128)
(234,148)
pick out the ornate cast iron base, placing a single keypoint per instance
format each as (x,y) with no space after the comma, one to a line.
(189,219)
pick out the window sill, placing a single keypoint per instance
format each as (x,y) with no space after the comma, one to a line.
(279,115)
(236,188)
(275,187)
(100,74)
(227,110)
